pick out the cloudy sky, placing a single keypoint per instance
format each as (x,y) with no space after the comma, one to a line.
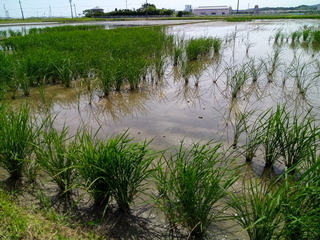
(47,8)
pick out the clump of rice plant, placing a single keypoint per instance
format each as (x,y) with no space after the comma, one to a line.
(316,37)
(253,138)
(272,64)
(295,36)
(114,168)
(190,182)
(65,72)
(258,209)
(287,136)
(306,34)
(107,79)
(236,79)
(200,47)
(217,44)
(300,203)
(278,38)
(255,70)
(19,134)
(177,55)
(272,130)
(304,81)
(300,138)
(239,126)
(93,167)
(56,156)
(186,71)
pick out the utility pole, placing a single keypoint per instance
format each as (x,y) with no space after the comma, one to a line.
(238,7)
(6,11)
(21,10)
(75,10)
(71,8)
(50,14)
(147,8)
(126,4)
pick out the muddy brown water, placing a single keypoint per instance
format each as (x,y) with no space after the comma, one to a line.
(171,111)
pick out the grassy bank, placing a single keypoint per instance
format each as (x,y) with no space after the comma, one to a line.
(231,18)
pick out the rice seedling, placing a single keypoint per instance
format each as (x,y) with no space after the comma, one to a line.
(216,70)
(177,55)
(159,66)
(258,209)
(306,34)
(303,79)
(217,44)
(272,64)
(255,70)
(316,37)
(273,127)
(129,168)
(253,137)
(106,79)
(197,70)
(93,167)
(190,182)
(299,139)
(300,203)
(65,72)
(236,79)
(116,167)
(13,33)
(3,33)
(18,137)
(13,85)
(135,69)
(295,36)
(239,126)
(56,156)
(186,71)
(278,36)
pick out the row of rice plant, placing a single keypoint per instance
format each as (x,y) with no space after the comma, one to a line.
(283,136)
(307,35)
(118,168)
(194,184)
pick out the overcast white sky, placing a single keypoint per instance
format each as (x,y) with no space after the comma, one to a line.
(41,8)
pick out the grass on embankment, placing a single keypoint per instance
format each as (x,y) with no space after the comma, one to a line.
(229,18)
(19,223)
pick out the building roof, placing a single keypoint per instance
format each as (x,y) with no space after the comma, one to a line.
(96,8)
(212,7)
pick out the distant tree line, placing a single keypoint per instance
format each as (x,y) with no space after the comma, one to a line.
(299,8)
(145,9)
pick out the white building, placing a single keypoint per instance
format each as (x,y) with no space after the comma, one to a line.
(212,10)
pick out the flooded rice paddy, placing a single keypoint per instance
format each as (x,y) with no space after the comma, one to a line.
(207,107)
(170,110)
